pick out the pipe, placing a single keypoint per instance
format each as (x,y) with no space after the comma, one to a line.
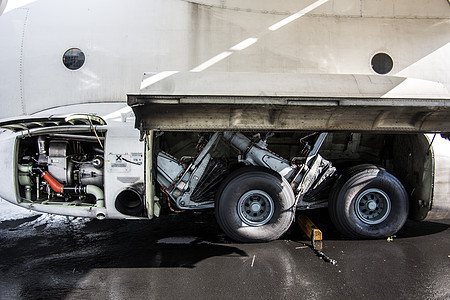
(88,189)
(76,137)
(37,187)
(25,168)
(54,184)
(25,180)
(101,216)
(28,192)
(97,193)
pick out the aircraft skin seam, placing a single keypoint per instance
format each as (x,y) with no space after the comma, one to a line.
(361,13)
(21,66)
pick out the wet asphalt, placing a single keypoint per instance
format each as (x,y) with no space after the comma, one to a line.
(188,257)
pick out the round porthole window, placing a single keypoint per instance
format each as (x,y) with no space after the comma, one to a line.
(74,59)
(382,63)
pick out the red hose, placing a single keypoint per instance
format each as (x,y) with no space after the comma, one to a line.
(54,184)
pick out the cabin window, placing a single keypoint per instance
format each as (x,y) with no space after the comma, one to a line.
(74,59)
(382,63)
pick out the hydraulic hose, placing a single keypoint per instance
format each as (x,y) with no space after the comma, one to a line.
(54,184)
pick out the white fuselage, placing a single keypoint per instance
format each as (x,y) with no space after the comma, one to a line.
(122,40)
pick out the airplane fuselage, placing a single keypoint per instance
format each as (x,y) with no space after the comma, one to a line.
(228,97)
(122,41)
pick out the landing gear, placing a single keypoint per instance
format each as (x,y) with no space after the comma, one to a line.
(368,202)
(255,205)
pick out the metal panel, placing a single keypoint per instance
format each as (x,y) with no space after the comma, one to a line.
(217,113)
(440,208)
(27,123)
(276,101)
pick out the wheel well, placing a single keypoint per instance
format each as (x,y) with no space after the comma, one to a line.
(406,156)
(413,164)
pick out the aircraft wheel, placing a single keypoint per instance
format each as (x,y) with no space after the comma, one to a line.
(368,202)
(255,205)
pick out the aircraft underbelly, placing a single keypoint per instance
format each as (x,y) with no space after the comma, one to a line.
(298,114)
(322,102)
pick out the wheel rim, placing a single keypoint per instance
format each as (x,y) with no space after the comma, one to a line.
(255,208)
(373,206)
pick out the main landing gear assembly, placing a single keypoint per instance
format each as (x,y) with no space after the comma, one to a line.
(256,192)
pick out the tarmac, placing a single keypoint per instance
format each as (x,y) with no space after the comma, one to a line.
(187,256)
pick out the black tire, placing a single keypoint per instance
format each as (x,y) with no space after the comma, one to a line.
(368,202)
(246,189)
